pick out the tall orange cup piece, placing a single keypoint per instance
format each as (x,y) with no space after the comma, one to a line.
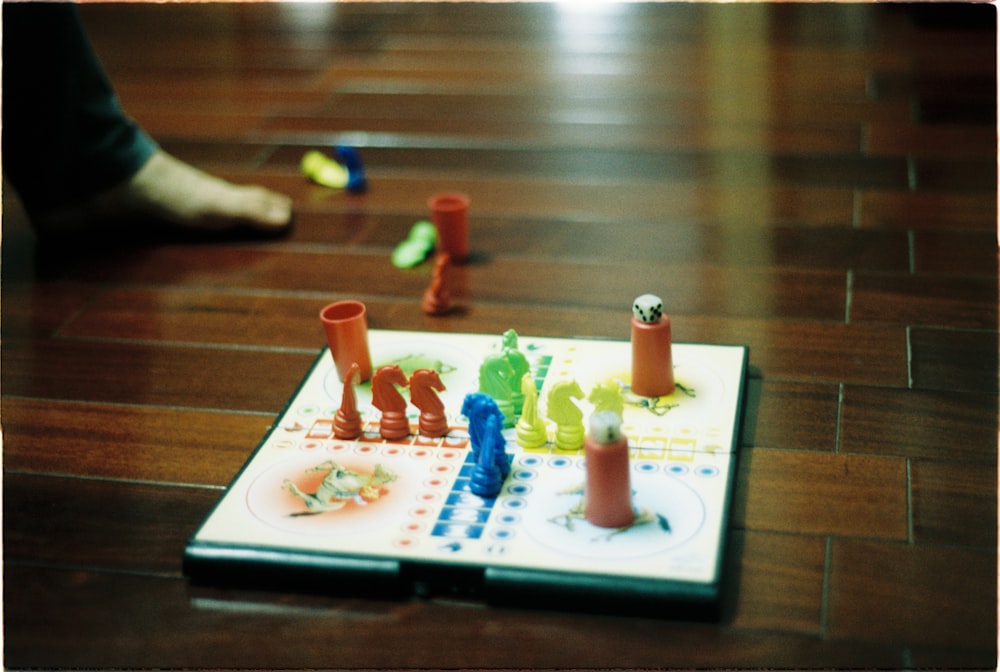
(652,355)
(450,214)
(608,487)
(346,327)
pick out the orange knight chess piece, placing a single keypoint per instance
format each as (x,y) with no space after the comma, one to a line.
(385,397)
(424,386)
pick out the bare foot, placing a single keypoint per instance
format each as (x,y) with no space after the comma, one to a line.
(172,192)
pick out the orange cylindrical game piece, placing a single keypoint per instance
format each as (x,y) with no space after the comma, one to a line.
(608,490)
(346,327)
(652,360)
(450,214)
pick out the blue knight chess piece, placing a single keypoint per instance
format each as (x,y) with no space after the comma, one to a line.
(489,473)
(488,444)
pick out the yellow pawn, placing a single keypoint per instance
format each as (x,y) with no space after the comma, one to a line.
(531,431)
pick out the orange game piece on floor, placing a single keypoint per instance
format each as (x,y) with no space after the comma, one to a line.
(437,298)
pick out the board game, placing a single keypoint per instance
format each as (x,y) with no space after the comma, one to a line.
(398,517)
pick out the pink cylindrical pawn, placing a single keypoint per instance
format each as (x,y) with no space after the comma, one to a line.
(346,327)
(450,214)
(608,490)
(652,357)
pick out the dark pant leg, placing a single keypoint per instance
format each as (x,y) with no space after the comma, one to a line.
(65,137)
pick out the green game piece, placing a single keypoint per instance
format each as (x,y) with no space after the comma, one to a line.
(425,231)
(519,363)
(408,254)
(416,247)
(495,381)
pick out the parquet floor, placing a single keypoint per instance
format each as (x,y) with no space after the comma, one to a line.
(815,181)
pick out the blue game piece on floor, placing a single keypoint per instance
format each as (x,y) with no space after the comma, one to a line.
(350,159)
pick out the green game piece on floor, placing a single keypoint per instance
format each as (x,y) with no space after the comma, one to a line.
(416,247)
(425,231)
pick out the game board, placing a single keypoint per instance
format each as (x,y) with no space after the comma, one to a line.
(397,517)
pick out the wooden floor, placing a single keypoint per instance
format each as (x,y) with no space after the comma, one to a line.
(817,182)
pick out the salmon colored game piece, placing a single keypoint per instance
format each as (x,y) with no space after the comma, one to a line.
(437,298)
(346,326)
(386,398)
(652,357)
(608,491)
(347,421)
(424,387)
(450,214)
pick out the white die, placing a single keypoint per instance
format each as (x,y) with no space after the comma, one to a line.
(648,308)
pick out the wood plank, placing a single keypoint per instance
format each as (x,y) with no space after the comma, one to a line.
(946,140)
(142,528)
(940,657)
(127,442)
(934,425)
(942,172)
(792,415)
(37,309)
(954,360)
(807,351)
(821,493)
(188,377)
(955,503)
(780,581)
(590,283)
(814,110)
(650,163)
(925,300)
(901,592)
(941,211)
(549,197)
(955,252)
(731,242)
(113,620)
(312,126)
